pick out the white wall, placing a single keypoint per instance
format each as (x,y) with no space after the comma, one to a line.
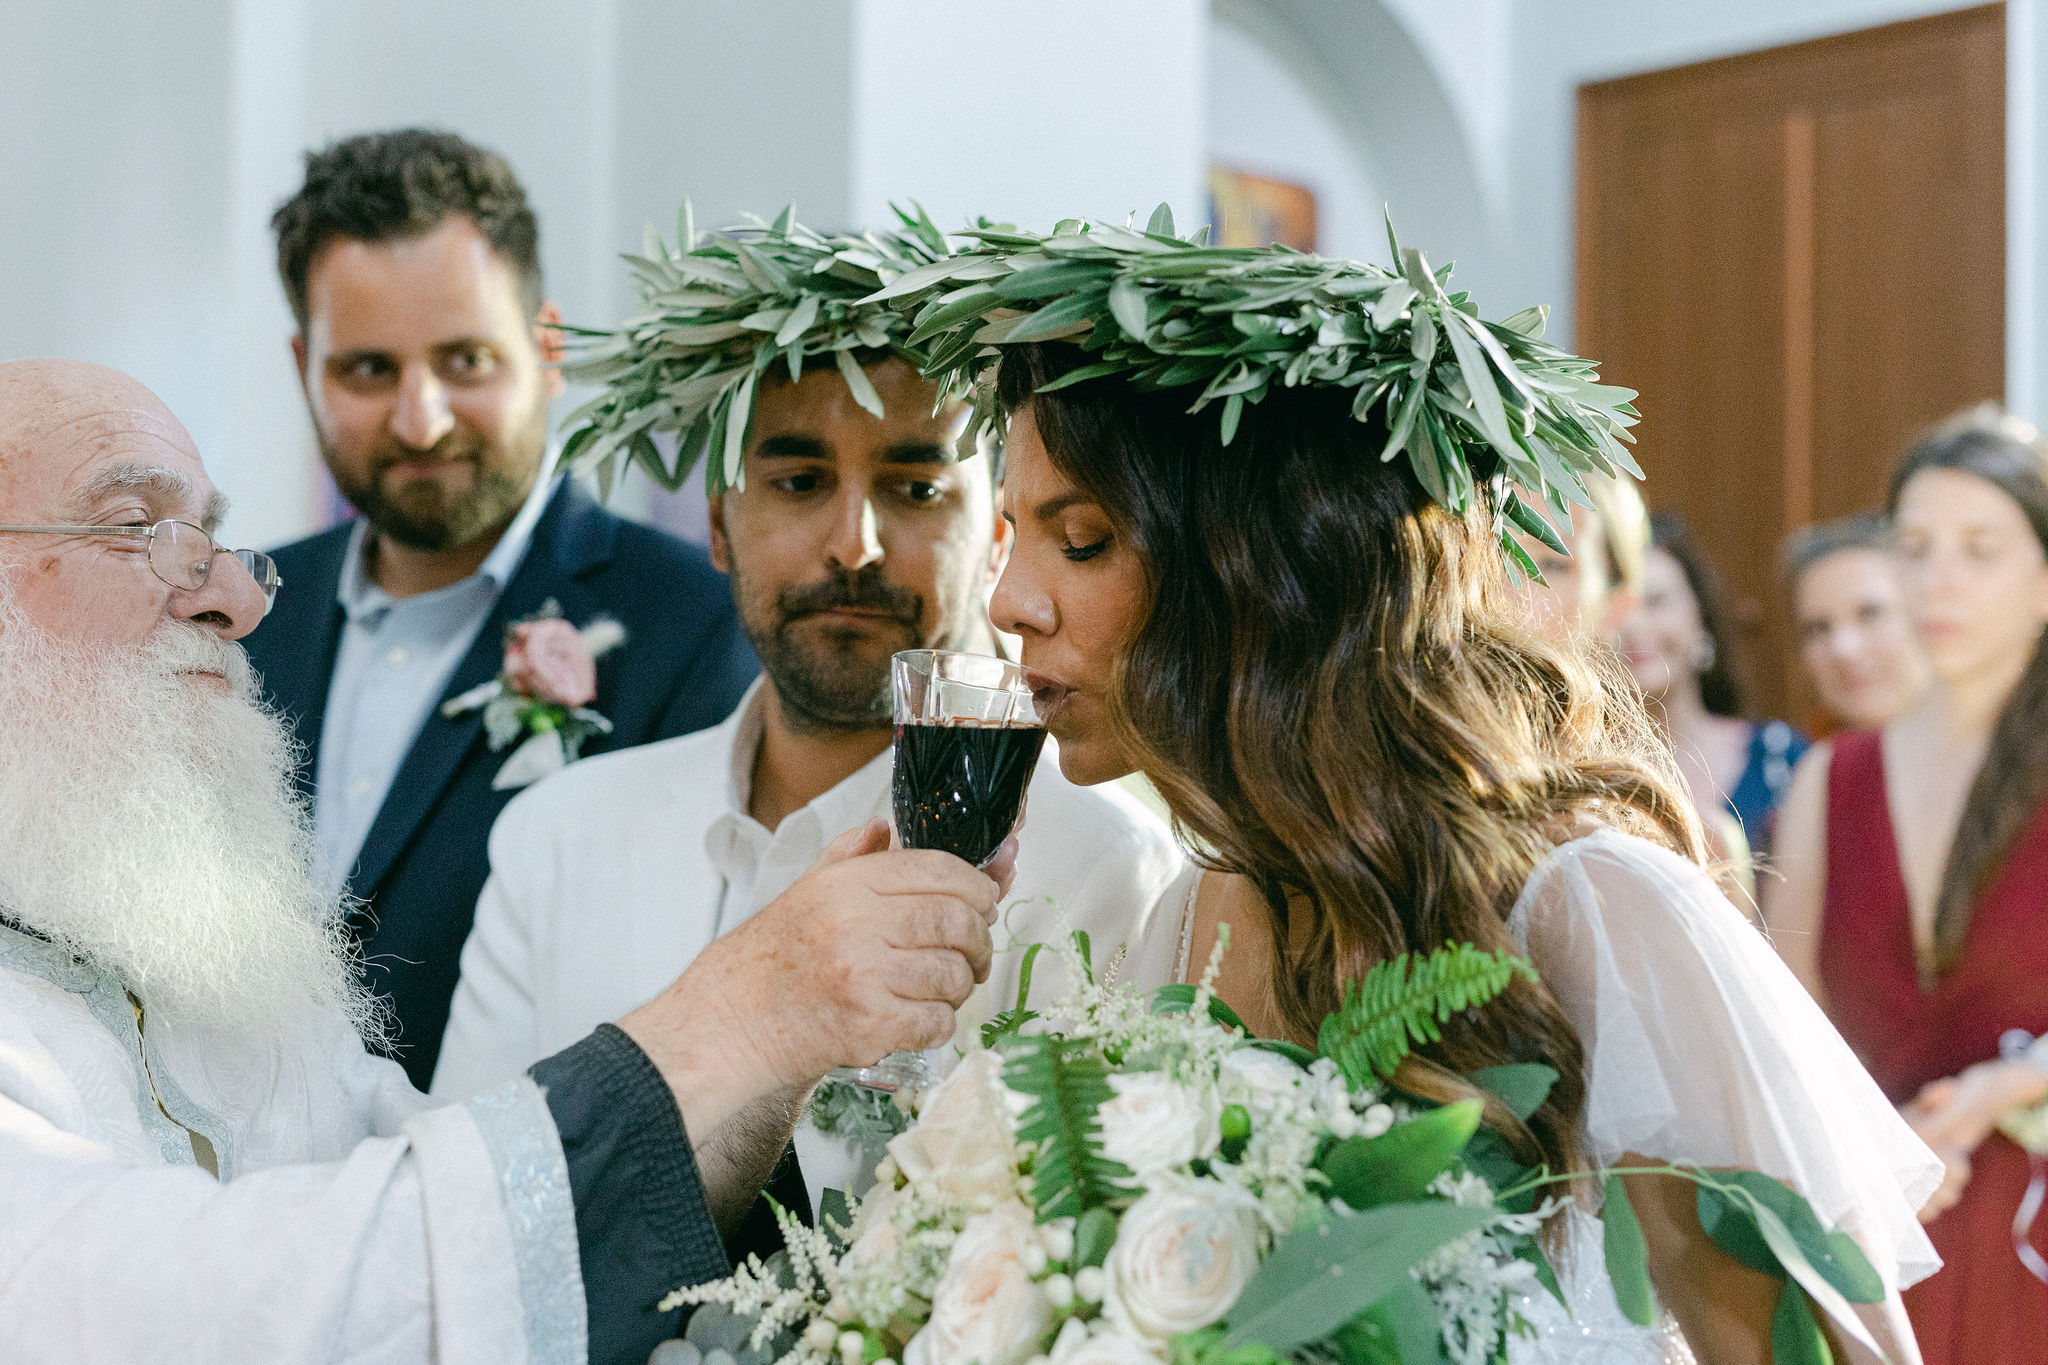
(1261,118)
(143,148)
(1064,108)
(114,172)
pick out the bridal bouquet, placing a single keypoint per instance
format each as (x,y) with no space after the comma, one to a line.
(1119,1181)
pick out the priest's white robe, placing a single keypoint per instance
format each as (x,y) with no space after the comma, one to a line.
(353,1219)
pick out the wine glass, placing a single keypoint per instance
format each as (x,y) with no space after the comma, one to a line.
(968,733)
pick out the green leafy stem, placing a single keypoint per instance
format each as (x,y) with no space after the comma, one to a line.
(1764,1224)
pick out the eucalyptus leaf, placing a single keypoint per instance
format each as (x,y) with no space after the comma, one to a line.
(1796,1338)
(1178,997)
(1401,1329)
(1725,1203)
(1094,1235)
(1398,1165)
(1521,1086)
(1816,1286)
(1628,1255)
(1329,1270)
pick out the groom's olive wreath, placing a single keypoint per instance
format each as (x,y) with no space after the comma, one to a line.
(719,310)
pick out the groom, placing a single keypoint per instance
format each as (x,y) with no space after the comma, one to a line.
(411,261)
(853,536)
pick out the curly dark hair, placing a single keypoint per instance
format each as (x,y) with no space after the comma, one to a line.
(1332,689)
(381,186)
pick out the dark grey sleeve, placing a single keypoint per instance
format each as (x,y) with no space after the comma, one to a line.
(643,1223)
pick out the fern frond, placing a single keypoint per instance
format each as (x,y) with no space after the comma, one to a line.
(1405,1001)
(1067,1081)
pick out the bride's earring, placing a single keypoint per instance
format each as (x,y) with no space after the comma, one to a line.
(1703,657)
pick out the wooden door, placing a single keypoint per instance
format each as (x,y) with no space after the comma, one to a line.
(1798,257)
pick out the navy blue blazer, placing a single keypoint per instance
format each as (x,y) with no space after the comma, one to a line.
(683,667)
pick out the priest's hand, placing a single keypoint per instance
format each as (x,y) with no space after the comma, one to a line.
(870,951)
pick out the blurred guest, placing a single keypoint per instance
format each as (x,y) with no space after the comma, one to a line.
(1916,873)
(411,263)
(1677,644)
(1590,591)
(1855,637)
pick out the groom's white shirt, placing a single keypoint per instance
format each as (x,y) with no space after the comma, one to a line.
(608,878)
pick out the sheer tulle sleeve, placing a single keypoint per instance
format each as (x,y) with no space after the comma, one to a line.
(1703,1049)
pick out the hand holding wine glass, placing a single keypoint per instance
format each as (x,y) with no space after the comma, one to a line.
(869,949)
(968,735)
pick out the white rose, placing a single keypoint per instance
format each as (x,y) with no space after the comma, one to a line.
(873,1234)
(1154,1125)
(1180,1260)
(986,1310)
(1109,1347)
(1269,1077)
(962,1146)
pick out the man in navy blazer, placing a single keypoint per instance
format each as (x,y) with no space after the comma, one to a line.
(411,263)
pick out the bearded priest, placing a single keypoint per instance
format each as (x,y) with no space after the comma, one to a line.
(199,1160)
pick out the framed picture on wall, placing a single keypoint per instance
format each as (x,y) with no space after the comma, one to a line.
(1249,209)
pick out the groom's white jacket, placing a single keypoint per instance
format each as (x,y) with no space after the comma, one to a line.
(608,878)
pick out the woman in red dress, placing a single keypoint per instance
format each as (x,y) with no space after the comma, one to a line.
(1914,902)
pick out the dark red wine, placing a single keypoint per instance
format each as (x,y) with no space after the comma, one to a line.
(958,788)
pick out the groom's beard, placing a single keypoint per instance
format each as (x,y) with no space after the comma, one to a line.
(148,825)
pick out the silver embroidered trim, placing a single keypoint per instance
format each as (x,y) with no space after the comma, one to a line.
(41,958)
(107,998)
(195,1116)
(533,1178)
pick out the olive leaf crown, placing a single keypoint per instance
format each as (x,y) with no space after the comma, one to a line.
(719,310)
(1465,400)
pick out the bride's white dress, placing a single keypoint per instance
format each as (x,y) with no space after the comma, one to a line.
(1701,1048)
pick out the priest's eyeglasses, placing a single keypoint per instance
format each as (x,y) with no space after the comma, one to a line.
(180,553)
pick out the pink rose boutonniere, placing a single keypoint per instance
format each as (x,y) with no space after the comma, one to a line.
(542,692)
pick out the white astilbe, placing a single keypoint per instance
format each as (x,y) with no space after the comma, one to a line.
(755,1291)
(879,1292)
(1476,1279)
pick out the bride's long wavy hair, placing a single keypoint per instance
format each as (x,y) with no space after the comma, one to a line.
(1334,691)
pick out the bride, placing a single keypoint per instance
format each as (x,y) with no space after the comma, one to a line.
(1322,671)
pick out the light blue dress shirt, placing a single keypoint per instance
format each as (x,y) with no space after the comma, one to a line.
(394,661)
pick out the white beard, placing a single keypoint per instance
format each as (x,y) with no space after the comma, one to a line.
(148,824)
